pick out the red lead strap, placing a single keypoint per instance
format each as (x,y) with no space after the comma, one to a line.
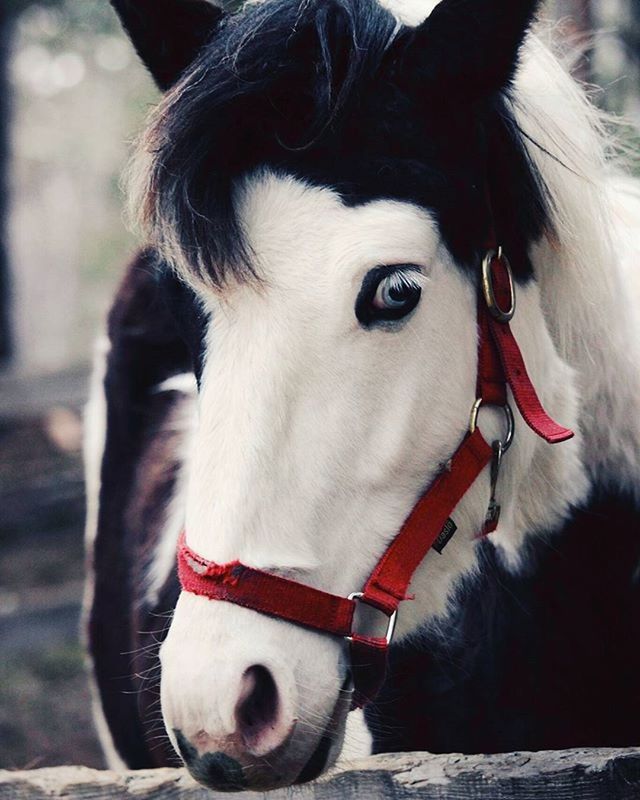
(500,363)
(497,307)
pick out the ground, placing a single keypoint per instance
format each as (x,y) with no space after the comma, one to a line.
(45,715)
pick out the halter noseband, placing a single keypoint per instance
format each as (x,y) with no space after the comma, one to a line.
(500,363)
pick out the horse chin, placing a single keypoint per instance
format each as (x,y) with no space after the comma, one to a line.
(319,760)
(330,743)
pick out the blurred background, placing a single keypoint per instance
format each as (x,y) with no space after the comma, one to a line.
(72,97)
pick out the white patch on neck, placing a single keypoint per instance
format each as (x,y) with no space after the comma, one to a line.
(184,382)
(358,741)
(410,12)
(95,431)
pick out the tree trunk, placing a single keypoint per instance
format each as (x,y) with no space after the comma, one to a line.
(5,334)
(633,37)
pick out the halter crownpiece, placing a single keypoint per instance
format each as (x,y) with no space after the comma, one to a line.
(500,363)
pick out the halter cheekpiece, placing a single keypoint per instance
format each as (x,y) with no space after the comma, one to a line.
(500,364)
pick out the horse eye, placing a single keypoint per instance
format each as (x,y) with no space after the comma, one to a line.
(393,293)
(388,294)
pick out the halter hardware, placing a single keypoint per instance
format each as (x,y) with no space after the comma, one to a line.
(508,413)
(500,364)
(489,290)
(494,509)
(391,618)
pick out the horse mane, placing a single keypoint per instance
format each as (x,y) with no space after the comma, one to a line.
(584,274)
(180,179)
(290,85)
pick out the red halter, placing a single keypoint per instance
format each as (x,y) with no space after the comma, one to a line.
(500,363)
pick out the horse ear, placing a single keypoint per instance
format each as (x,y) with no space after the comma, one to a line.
(167,34)
(469,48)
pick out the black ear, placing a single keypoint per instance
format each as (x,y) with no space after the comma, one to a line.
(469,48)
(168,34)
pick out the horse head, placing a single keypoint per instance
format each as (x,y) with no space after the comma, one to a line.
(319,181)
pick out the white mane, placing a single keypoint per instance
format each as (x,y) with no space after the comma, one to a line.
(590,275)
(587,277)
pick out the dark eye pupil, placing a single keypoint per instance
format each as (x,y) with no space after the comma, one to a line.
(399,293)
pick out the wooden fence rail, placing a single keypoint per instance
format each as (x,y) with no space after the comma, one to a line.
(604,774)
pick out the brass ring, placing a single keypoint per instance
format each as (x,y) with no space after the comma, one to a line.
(487,286)
(508,413)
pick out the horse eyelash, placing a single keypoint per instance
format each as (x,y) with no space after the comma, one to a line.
(407,277)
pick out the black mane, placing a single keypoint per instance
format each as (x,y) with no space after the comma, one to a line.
(317,89)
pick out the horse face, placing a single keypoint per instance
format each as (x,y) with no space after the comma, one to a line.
(323,218)
(330,395)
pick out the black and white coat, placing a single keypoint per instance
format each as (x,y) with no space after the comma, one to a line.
(315,162)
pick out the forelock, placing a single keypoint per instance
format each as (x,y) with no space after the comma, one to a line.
(278,79)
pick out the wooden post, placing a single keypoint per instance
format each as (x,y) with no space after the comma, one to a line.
(602,774)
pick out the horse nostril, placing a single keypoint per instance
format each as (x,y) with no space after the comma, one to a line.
(257,708)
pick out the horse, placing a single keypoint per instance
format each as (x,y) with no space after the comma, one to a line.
(291,363)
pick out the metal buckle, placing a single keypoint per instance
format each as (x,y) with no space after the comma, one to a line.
(391,619)
(508,413)
(487,286)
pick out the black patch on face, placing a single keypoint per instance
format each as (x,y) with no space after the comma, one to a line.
(329,92)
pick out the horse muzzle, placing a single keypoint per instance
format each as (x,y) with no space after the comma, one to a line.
(242,711)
